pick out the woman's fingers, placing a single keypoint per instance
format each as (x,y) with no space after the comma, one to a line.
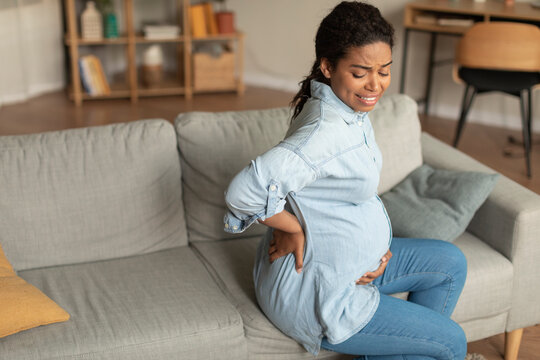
(372,275)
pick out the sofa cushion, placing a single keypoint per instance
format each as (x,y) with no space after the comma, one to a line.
(90,194)
(231,264)
(486,293)
(436,203)
(488,288)
(397,131)
(163,305)
(214,147)
(23,306)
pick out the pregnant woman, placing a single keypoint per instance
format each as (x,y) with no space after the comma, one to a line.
(326,268)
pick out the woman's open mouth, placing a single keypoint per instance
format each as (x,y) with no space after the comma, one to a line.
(368,100)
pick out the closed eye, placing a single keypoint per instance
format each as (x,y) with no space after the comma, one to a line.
(356,76)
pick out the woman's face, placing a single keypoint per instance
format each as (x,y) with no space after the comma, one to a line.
(362,76)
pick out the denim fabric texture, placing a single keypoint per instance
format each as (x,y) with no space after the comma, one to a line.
(434,272)
(326,173)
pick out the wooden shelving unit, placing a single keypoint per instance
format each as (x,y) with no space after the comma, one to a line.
(130,86)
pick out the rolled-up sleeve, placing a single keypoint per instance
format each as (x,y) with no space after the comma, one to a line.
(259,190)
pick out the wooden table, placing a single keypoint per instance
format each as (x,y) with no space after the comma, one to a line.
(425,16)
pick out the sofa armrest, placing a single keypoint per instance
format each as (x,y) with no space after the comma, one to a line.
(509,221)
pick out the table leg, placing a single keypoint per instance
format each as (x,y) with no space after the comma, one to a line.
(432,46)
(404,62)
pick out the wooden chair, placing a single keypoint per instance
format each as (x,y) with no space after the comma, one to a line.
(499,56)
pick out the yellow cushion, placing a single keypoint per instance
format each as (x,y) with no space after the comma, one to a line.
(23,306)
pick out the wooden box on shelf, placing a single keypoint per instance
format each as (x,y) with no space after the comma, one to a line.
(214,73)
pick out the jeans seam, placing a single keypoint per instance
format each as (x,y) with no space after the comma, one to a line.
(450,277)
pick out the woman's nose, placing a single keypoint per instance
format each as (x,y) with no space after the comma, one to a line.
(372,83)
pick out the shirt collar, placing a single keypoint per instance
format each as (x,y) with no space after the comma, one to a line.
(325,93)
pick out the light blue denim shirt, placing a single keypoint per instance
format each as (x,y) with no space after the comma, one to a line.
(325,172)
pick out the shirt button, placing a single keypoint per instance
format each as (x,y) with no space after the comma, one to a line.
(226,226)
(235,227)
(273,187)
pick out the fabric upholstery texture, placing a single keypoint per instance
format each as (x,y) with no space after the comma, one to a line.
(436,203)
(156,306)
(231,264)
(508,222)
(214,147)
(397,131)
(23,306)
(90,194)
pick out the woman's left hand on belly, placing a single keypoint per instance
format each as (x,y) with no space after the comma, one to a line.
(372,275)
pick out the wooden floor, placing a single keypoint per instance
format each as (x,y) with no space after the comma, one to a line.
(486,144)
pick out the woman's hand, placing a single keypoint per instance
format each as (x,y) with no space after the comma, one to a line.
(370,276)
(284,243)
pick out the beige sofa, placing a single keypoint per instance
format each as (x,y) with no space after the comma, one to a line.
(121,225)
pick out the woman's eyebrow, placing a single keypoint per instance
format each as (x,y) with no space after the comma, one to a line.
(369,67)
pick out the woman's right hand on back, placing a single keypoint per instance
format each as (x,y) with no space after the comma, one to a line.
(284,243)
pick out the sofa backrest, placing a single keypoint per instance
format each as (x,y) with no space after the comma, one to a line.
(397,131)
(90,194)
(214,147)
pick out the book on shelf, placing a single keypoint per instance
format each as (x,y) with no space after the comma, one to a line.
(93,77)
(197,18)
(160,31)
(210,18)
(203,20)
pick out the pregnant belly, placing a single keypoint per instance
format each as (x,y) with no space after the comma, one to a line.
(351,240)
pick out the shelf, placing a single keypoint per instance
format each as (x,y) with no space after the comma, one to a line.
(219,37)
(142,40)
(130,84)
(122,40)
(119,90)
(169,86)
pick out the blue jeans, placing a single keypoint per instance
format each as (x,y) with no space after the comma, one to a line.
(434,273)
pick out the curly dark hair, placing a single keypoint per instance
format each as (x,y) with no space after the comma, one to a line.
(349,24)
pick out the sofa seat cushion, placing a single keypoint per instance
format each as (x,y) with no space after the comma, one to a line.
(487,291)
(231,263)
(162,305)
(488,288)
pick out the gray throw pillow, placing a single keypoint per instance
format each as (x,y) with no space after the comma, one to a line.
(435,203)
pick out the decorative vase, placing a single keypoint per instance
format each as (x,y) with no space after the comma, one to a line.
(111,26)
(91,22)
(152,69)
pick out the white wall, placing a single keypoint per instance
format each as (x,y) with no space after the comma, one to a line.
(280,51)
(31,51)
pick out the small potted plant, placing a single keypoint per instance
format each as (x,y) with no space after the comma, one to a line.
(225,19)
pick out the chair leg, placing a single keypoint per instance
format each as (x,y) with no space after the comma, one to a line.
(511,344)
(465,107)
(529,118)
(525,125)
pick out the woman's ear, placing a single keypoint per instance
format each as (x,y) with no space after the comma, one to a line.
(326,68)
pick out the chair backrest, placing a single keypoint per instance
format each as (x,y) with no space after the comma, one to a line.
(500,46)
